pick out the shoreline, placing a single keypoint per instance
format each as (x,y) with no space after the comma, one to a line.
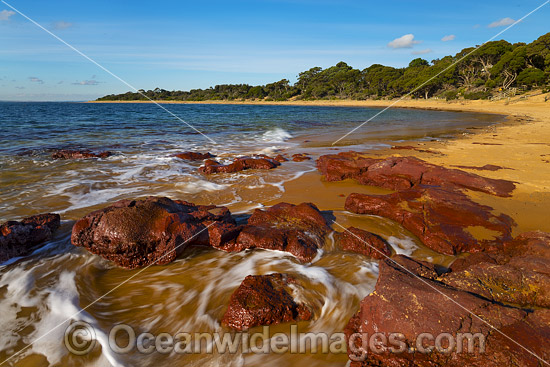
(520,145)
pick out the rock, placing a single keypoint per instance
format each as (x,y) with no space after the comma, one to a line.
(400,173)
(444,220)
(20,238)
(409,300)
(299,157)
(364,243)
(518,274)
(264,300)
(279,158)
(194,156)
(137,233)
(79,154)
(297,229)
(239,164)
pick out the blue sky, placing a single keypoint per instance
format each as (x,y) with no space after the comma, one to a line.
(197,44)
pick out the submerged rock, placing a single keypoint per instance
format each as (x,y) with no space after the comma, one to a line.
(364,243)
(20,238)
(411,299)
(239,164)
(79,154)
(299,157)
(445,220)
(136,233)
(194,156)
(264,300)
(401,173)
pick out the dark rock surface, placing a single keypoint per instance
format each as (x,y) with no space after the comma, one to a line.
(264,300)
(364,243)
(400,173)
(297,229)
(239,164)
(444,220)
(20,238)
(299,157)
(194,156)
(416,301)
(136,233)
(78,154)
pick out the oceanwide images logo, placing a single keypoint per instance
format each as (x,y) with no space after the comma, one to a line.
(81,338)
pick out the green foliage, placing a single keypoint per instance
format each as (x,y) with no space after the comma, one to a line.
(496,64)
(531,77)
(477,95)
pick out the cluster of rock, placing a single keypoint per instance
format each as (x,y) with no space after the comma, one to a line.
(500,292)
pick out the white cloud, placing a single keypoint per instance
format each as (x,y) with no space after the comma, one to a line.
(87,82)
(502,23)
(6,14)
(422,52)
(450,37)
(34,79)
(407,41)
(61,25)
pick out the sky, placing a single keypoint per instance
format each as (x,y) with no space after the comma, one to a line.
(181,45)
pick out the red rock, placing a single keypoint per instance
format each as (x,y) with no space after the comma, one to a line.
(279,158)
(134,233)
(20,238)
(194,156)
(297,229)
(400,173)
(300,157)
(439,217)
(364,243)
(519,273)
(239,164)
(263,300)
(78,154)
(408,299)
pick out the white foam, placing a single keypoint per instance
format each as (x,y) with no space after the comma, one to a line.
(276,135)
(402,246)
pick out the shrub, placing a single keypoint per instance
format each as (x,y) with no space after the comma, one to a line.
(477,95)
(450,95)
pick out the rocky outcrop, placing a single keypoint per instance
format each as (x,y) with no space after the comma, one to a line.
(78,154)
(264,300)
(401,173)
(412,303)
(364,243)
(445,220)
(194,156)
(20,238)
(136,233)
(299,157)
(297,229)
(517,274)
(239,164)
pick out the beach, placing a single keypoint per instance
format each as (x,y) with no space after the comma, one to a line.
(520,146)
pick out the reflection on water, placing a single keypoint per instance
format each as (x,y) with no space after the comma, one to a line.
(40,291)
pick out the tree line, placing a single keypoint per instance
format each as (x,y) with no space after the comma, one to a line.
(496,67)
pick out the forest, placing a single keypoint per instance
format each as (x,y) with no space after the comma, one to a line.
(495,69)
